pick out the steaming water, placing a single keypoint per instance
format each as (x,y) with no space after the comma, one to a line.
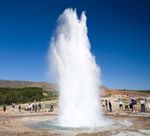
(77,72)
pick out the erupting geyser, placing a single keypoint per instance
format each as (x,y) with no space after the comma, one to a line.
(77,72)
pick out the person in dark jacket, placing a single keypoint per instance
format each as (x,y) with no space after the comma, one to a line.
(110,106)
(142,105)
(19,107)
(51,107)
(4,107)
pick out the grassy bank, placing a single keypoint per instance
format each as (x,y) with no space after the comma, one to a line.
(24,95)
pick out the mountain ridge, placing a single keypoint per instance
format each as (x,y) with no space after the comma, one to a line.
(22,84)
(53,87)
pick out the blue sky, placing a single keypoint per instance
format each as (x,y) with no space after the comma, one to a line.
(119,31)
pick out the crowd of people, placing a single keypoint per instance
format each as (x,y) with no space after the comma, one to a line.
(132,104)
(32,107)
(35,106)
(135,104)
(38,107)
(107,105)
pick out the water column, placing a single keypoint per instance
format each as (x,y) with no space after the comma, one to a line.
(77,72)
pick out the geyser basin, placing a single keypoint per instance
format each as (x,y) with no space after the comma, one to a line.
(78,75)
(54,125)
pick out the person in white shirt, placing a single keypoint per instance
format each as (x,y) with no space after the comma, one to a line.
(120,105)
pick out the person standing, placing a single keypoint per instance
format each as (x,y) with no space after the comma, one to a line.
(51,107)
(106,105)
(13,105)
(39,106)
(135,106)
(110,106)
(131,105)
(4,107)
(19,107)
(103,105)
(142,106)
(126,106)
(120,105)
(35,106)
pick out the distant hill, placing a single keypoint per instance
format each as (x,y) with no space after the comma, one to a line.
(105,91)
(22,84)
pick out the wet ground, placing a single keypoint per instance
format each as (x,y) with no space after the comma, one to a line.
(29,125)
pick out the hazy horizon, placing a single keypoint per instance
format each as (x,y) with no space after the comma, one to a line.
(56,83)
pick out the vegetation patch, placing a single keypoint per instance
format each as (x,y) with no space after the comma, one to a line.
(24,95)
